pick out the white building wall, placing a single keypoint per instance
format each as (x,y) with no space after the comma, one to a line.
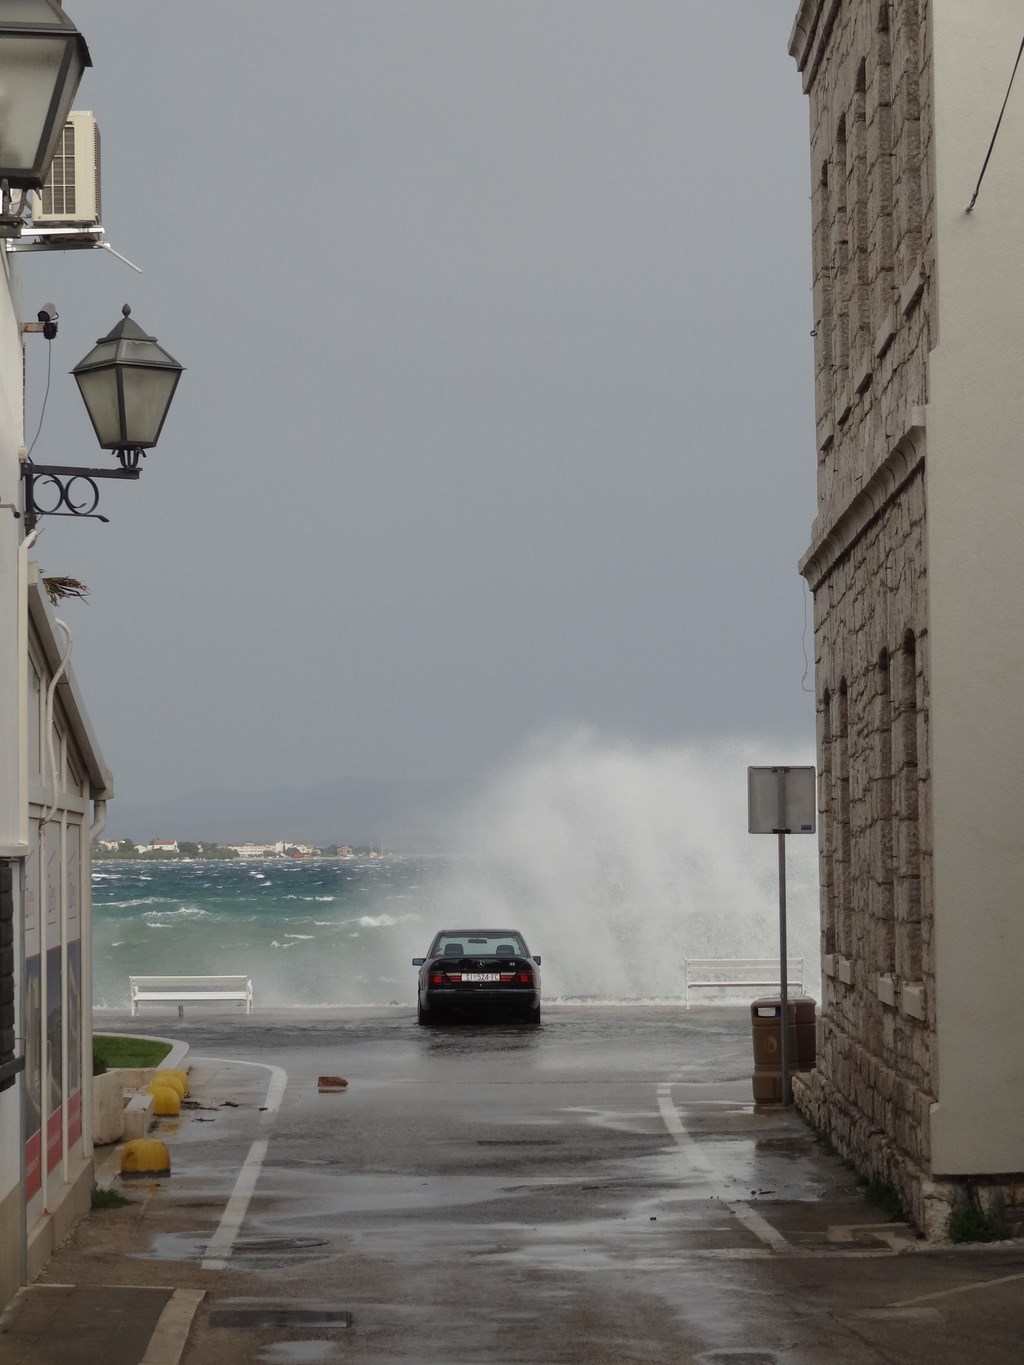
(12,805)
(976,573)
(50,863)
(65,777)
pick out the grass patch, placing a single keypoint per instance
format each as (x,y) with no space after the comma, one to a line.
(969,1223)
(111,1050)
(108,1199)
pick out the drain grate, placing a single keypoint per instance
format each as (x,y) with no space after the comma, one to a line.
(258,1245)
(738,1357)
(516,1142)
(272,1319)
(785,1146)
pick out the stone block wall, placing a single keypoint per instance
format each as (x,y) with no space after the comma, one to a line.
(875,1080)
(866,69)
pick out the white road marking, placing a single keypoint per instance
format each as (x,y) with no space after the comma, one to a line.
(759,1226)
(223,1240)
(172,1327)
(725,1187)
(958,1289)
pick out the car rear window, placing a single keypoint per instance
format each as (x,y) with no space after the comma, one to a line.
(480,945)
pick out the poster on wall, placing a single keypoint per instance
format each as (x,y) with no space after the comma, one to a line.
(74,920)
(54,1039)
(74,1041)
(32,1020)
(53,1081)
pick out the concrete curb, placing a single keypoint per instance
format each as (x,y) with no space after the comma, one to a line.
(107,1167)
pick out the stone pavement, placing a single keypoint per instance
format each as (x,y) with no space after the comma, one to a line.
(835,1281)
(88,1324)
(121,1311)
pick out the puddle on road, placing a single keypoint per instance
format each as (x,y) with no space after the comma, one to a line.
(177,1246)
(786,1146)
(296,1352)
(262,1246)
(193,1246)
(306,1190)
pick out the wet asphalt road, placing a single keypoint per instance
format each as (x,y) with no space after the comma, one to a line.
(598,1189)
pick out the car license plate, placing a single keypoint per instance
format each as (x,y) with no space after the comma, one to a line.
(481,976)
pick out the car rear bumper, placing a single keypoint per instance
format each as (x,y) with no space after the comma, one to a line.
(504,999)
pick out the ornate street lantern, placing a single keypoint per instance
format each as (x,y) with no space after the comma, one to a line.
(42,57)
(127,382)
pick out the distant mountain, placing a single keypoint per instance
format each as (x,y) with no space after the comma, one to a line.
(404,815)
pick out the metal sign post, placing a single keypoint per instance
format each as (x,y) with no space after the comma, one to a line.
(782,801)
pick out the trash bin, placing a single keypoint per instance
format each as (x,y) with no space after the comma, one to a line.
(766,1019)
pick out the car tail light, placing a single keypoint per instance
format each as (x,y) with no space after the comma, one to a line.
(525,979)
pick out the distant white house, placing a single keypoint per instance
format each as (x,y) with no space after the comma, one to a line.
(164,846)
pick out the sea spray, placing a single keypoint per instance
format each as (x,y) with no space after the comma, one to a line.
(619,861)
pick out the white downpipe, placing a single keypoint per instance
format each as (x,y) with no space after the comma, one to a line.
(97,827)
(58,673)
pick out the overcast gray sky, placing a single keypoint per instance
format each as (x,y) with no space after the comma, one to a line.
(498,409)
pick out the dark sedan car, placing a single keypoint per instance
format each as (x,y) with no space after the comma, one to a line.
(479,971)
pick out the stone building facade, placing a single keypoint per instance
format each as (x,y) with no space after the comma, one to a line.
(913,563)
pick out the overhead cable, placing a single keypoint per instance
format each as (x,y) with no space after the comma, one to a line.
(1002,111)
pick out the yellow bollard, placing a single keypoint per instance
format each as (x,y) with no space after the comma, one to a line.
(166,1100)
(145,1156)
(171,1080)
(182,1076)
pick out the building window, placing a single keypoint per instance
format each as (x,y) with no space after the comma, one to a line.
(907,101)
(845,838)
(883,169)
(882,871)
(908,843)
(828,880)
(841,259)
(823,292)
(860,311)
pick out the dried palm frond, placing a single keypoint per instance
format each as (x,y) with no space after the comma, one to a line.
(58,588)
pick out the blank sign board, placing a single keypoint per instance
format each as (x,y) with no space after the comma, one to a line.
(781,800)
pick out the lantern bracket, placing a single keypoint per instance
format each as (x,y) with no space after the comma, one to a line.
(72,488)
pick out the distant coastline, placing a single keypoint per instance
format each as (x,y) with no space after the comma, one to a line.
(168,850)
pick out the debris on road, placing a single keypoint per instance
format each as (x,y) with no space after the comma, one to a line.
(329,1084)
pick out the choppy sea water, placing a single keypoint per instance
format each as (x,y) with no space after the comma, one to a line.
(321,932)
(611,926)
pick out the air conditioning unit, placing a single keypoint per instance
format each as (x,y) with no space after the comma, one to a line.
(70,198)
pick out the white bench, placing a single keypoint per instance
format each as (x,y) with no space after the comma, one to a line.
(735,973)
(180,990)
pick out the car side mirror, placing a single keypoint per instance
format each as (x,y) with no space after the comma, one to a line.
(537,960)
(418,961)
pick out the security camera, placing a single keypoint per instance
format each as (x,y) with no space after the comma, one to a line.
(48,315)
